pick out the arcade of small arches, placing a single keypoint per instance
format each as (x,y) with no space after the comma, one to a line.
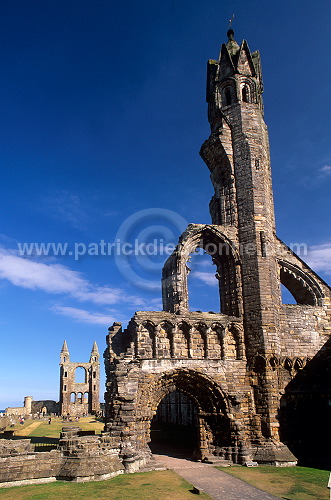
(79,397)
(291,364)
(185,340)
(246,91)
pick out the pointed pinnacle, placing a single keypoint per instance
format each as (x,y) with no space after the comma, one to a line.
(95,348)
(65,347)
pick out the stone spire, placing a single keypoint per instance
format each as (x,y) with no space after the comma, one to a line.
(64,355)
(94,353)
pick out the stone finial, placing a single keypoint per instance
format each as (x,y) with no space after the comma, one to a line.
(65,348)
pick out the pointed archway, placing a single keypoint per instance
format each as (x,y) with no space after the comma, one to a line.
(207,413)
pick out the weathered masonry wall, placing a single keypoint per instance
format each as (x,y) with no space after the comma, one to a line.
(84,458)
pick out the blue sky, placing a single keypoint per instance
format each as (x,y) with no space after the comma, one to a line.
(102,117)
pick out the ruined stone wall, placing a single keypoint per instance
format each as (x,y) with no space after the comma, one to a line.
(78,459)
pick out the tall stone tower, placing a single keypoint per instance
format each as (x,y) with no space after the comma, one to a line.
(79,395)
(239,368)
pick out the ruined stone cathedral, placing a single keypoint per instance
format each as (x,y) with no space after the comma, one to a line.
(252,379)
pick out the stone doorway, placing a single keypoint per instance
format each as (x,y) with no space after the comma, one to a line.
(174,427)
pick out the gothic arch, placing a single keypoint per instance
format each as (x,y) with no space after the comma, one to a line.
(304,289)
(226,258)
(216,426)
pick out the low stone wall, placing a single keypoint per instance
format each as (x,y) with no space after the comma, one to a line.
(78,459)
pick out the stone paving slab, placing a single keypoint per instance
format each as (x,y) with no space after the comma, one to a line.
(217,484)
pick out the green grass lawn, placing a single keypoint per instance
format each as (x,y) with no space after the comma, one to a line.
(52,431)
(292,483)
(155,485)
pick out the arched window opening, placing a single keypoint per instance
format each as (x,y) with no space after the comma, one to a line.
(174,426)
(245,94)
(228,97)
(72,397)
(79,398)
(86,397)
(80,375)
(203,286)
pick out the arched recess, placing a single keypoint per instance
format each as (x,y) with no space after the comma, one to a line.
(248,91)
(182,340)
(302,287)
(215,341)
(228,92)
(199,341)
(146,341)
(165,340)
(224,255)
(232,343)
(217,432)
(80,375)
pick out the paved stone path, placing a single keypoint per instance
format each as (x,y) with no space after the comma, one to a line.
(217,484)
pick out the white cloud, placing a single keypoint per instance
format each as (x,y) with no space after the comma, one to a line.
(53,278)
(84,316)
(319,257)
(206,278)
(325,171)
(57,279)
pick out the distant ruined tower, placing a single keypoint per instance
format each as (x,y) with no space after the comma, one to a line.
(79,392)
(28,404)
(245,376)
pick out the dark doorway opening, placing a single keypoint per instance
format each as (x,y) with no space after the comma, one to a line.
(174,429)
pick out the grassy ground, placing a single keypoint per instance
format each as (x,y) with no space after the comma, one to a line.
(290,483)
(40,429)
(155,485)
